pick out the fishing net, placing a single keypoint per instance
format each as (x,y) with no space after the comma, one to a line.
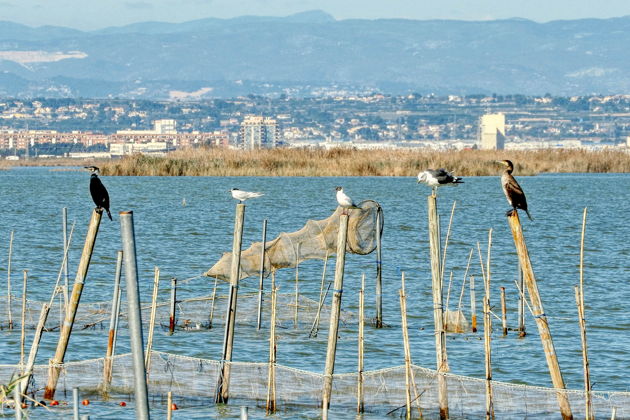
(384,389)
(316,240)
(455,321)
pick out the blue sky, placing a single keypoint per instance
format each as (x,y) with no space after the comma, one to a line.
(94,14)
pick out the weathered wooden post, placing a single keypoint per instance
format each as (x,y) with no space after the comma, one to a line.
(438,306)
(169,405)
(271,371)
(521,303)
(487,331)
(113,324)
(73,304)
(360,403)
(379,269)
(171,318)
(156,287)
(335,310)
(503,312)
(539,315)
(262,274)
(10,313)
(297,287)
(23,321)
(579,298)
(223,385)
(133,314)
(473,305)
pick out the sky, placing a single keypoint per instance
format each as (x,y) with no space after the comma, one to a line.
(96,14)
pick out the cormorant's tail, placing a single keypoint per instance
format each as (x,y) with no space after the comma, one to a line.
(110,215)
(458,181)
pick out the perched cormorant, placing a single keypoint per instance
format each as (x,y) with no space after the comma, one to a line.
(344,201)
(513,192)
(438,177)
(98,191)
(244,195)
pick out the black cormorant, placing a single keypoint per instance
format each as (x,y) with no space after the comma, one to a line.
(438,177)
(98,191)
(513,192)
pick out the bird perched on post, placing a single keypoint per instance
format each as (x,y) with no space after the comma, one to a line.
(98,190)
(344,201)
(513,192)
(244,195)
(437,178)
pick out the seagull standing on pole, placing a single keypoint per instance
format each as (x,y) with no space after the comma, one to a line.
(344,201)
(244,195)
(98,191)
(513,192)
(437,178)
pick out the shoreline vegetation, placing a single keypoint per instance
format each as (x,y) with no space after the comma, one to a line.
(349,162)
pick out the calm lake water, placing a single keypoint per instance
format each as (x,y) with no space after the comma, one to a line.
(185,241)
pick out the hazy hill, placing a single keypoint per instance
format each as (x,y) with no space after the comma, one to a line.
(311,51)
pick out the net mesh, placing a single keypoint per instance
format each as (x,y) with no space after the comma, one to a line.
(316,240)
(384,389)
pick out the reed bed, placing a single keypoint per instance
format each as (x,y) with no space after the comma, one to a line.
(351,162)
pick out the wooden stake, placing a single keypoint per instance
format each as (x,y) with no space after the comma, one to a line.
(28,370)
(487,331)
(171,318)
(23,321)
(113,325)
(271,375)
(64,226)
(156,286)
(521,303)
(438,308)
(322,299)
(448,235)
(77,289)
(214,298)
(223,385)
(503,312)
(169,405)
(297,287)
(579,298)
(403,314)
(262,275)
(335,310)
(539,315)
(10,313)
(473,305)
(360,402)
(379,268)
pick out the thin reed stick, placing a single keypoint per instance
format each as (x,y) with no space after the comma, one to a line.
(322,299)
(113,325)
(503,312)
(171,318)
(297,287)
(156,286)
(579,296)
(473,305)
(169,405)
(521,303)
(214,298)
(23,321)
(64,226)
(261,278)
(360,401)
(448,235)
(10,314)
(271,371)
(487,330)
(379,269)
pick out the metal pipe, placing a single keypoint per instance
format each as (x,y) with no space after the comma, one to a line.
(133,314)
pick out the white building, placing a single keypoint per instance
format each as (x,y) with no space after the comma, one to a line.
(259,132)
(492,132)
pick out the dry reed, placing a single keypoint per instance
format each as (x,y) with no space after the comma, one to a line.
(351,162)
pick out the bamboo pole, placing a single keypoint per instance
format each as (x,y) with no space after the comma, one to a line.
(379,268)
(113,323)
(360,401)
(403,313)
(579,297)
(223,384)
(169,405)
(503,312)
(335,310)
(473,305)
(262,275)
(10,313)
(540,316)
(154,296)
(438,309)
(28,370)
(171,318)
(64,226)
(521,303)
(134,315)
(297,287)
(214,298)
(77,290)
(322,299)
(448,235)
(23,321)
(271,371)
(487,331)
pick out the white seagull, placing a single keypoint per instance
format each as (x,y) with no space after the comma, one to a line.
(344,201)
(438,177)
(244,195)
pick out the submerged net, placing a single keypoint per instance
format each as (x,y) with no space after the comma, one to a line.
(455,321)
(316,240)
(384,389)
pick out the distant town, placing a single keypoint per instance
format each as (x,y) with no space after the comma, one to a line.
(103,128)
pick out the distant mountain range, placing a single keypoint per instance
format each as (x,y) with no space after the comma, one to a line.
(312,53)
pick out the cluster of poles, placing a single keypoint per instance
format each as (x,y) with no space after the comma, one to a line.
(126,258)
